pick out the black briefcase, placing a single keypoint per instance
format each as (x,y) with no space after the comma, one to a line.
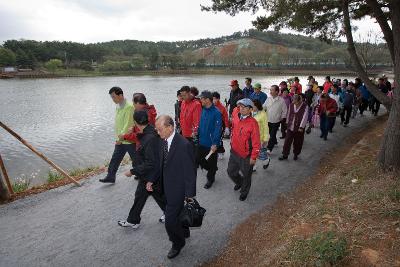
(192,214)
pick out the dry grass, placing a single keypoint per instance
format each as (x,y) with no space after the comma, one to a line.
(349,210)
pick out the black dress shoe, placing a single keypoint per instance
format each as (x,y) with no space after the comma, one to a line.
(107,180)
(282,157)
(237,187)
(208,185)
(282,137)
(243,197)
(295,157)
(173,252)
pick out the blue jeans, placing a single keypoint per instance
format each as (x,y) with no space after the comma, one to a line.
(118,155)
(324,125)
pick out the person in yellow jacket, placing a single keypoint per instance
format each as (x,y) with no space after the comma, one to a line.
(262,119)
(123,122)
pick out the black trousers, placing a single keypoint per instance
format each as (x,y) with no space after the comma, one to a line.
(345,114)
(324,125)
(118,155)
(375,106)
(236,164)
(363,105)
(297,138)
(331,123)
(283,128)
(176,232)
(141,196)
(209,165)
(273,129)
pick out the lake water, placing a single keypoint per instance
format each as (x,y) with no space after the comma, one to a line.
(71,120)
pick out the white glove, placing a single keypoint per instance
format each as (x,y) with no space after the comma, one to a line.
(227,132)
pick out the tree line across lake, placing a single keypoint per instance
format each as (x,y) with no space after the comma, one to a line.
(250,48)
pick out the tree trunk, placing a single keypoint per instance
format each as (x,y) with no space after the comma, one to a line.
(383,23)
(356,61)
(4,194)
(389,155)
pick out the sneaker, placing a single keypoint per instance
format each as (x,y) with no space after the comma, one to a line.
(237,187)
(162,219)
(254,168)
(269,152)
(127,224)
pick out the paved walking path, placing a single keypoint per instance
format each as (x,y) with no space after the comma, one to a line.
(77,226)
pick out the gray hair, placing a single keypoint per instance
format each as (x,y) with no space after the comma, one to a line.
(166,120)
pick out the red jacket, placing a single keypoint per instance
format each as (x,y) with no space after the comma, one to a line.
(299,88)
(245,138)
(224,113)
(190,117)
(327,86)
(328,106)
(152,114)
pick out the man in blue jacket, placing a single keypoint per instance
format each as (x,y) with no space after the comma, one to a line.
(209,137)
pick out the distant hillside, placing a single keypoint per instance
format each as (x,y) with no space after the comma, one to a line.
(249,48)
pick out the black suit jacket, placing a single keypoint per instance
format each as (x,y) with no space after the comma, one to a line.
(179,172)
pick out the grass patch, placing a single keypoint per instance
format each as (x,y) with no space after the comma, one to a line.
(394,195)
(320,250)
(80,172)
(21,185)
(53,176)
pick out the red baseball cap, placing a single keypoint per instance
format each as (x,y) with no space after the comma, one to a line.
(234,82)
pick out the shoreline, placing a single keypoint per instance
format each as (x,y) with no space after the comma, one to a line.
(76,73)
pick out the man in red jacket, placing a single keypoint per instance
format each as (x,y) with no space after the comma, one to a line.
(190,114)
(327,111)
(140,103)
(245,147)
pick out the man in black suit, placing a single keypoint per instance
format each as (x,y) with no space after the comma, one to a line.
(179,180)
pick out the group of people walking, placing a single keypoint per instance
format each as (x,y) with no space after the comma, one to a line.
(166,152)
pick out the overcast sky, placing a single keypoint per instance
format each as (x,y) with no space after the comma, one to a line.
(91,21)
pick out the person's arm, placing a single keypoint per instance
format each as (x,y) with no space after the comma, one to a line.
(196,117)
(255,141)
(216,135)
(131,137)
(226,118)
(266,126)
(284,110)
(303,122)
(150,164)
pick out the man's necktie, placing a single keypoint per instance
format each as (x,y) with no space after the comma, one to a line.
(165,152)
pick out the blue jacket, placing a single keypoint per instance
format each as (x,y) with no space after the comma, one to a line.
(364,92)
(210,127)
(248,91)
(262,97)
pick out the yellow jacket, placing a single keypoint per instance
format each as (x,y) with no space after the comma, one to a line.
(262,120)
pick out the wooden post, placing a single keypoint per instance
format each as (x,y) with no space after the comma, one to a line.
(4,194)
(5,176)
(38,153)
